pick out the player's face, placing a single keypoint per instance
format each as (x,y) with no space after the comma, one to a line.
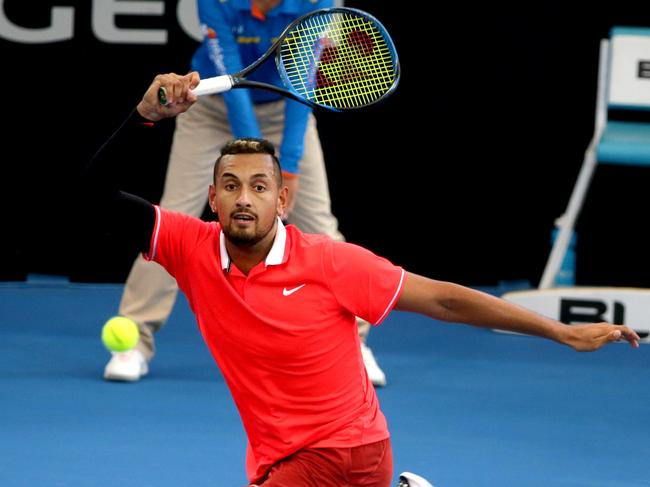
(247,198)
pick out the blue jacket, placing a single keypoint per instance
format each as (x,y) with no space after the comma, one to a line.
(233,38)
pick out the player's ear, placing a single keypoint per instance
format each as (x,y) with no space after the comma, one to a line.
(282,200)
(212,192)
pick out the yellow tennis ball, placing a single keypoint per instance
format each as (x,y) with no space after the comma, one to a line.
(120,334)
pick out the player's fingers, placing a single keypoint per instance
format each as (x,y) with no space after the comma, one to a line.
(190,81)
(187,85)
(176,89)
(157,88)
(165,89)
(171,88)
(614,335)
(179,90)
(191,97)
(193,78)
(630,335)
(624,333)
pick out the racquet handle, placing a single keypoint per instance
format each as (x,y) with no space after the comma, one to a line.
(207,86)
(210,86)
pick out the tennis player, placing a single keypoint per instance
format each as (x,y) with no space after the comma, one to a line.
(277,307)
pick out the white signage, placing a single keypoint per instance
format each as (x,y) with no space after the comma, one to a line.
(629,83)
(618,305)
(103,20)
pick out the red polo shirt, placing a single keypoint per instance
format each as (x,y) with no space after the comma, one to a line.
(285,336)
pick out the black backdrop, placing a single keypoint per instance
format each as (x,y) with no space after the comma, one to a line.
(459,175)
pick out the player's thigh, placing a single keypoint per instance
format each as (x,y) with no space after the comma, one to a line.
(317,467)
(363,466)
(371,465)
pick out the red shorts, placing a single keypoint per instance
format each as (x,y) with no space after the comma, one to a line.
(362,466)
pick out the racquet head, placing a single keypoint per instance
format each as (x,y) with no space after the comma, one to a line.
(338,58)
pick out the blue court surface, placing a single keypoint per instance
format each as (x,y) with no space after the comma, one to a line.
(466,407)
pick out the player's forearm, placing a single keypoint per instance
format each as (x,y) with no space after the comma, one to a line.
(451,302)
(107,166)
(458,304)
(106,173)
(472,307)
(465,305)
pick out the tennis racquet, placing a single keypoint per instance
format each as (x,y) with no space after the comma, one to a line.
(336,58)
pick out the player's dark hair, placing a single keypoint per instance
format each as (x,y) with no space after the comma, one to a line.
(250,145)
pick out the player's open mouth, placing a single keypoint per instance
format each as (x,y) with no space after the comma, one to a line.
(243,217)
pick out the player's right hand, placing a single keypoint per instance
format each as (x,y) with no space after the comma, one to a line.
(178,96)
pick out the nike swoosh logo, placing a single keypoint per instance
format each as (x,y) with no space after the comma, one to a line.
(289,292)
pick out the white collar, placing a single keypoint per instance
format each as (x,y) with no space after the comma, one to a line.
(275,256)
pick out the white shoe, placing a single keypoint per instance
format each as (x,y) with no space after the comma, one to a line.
(126,366)
(408,479)
(377,376)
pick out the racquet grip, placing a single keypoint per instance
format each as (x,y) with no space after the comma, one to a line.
(210,86)
(207,86)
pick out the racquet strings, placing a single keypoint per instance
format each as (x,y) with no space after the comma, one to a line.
(339,59)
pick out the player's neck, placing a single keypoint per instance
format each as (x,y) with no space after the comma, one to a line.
(246,257)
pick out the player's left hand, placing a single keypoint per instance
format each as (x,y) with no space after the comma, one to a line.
(590,337)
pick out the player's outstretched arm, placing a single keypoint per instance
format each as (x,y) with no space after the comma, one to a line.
(112,166)
(454,303)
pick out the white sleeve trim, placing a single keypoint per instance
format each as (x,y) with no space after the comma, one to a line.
(156,230)
(392,301)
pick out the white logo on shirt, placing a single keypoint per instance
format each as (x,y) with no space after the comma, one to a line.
(289,292)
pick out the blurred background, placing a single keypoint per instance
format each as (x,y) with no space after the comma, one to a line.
(459,175)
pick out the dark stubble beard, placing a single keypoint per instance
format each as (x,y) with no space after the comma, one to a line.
(245,239)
